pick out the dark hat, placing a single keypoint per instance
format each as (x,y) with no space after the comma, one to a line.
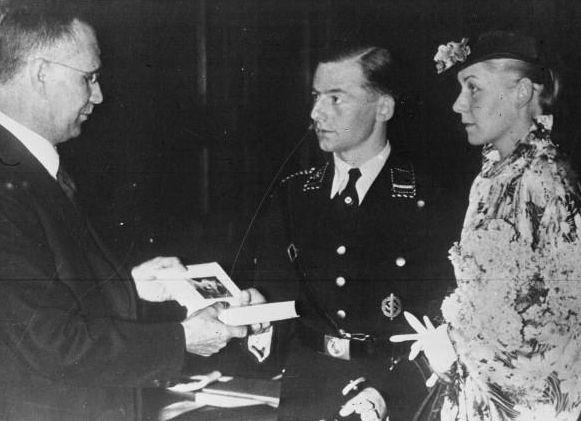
(490,45)
(504,44)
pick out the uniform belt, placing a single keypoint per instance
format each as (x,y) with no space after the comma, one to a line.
(344,348)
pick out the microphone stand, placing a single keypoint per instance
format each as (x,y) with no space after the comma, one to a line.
(267,192)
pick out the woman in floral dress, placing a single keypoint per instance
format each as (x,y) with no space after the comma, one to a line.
(510,348)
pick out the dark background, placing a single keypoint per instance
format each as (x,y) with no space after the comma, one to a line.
(204,100)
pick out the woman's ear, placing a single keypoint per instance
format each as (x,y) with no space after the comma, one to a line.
(525,91)
(385,107)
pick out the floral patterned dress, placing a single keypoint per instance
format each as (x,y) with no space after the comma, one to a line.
(515,316)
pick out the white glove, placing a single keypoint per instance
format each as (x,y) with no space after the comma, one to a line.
(259,344)
(435,343)
(368,403)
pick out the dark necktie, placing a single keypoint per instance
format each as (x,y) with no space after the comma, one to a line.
(101,252)
(66,183)
(349,196)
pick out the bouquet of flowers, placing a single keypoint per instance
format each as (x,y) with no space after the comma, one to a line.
(516,322)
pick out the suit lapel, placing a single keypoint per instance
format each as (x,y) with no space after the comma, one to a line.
(25,169)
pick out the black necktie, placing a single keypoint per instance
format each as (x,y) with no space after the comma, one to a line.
(66,183)
(349,196)
(68,186)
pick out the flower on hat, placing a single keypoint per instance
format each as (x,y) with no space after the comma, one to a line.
(450,54)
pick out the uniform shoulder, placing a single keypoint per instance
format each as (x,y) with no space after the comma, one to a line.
(403,160)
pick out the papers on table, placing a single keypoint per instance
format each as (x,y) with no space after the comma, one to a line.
(176,409)
(241,391)
(197,382)
(216,390)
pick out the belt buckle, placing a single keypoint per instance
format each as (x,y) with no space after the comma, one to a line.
(337,347)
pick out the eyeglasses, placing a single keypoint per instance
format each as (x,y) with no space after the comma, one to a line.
(91,78)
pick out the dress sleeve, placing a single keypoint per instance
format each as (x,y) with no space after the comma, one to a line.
(554,321)
(552,204)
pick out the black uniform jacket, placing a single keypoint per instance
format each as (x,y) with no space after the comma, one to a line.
(354,270)
(74,341)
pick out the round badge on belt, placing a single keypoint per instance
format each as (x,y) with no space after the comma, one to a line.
(391,306)
(337,347)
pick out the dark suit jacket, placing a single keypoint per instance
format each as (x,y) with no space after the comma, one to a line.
(346,264)
(74,340)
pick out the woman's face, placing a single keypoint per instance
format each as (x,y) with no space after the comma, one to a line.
(488,104)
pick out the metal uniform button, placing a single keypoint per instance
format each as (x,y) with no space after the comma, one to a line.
(421,203)
(340,281)
(348,200)
(341,250)
(341,314)
(400,262)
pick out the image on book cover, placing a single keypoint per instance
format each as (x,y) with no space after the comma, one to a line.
(211,283)
(210,287)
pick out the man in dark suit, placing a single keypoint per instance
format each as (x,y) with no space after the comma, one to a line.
(76,340)
(356,241)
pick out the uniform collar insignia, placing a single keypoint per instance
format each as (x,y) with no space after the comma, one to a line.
(403,182)
(315,178)
(297,174)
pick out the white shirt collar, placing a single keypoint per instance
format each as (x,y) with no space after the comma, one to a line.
(37,145)
(369,172)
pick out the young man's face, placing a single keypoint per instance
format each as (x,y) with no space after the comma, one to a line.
(344,110)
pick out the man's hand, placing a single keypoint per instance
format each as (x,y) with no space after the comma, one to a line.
(368,404)
(250,297)
(149,277)
(435,343)
(205,334)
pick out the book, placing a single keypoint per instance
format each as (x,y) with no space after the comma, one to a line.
(259,313)
(199,286)
(204,284)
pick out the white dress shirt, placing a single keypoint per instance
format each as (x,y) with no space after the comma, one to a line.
(42,149)
(369,172)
